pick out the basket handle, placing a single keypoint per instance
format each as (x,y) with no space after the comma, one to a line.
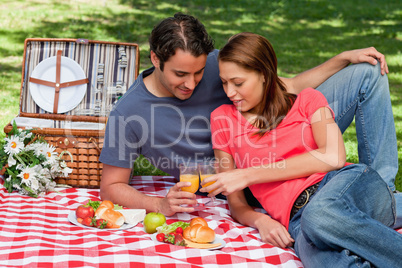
(91,139)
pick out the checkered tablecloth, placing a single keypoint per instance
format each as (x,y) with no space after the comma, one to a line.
(35,232)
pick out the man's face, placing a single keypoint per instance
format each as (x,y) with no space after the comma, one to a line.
(181,74)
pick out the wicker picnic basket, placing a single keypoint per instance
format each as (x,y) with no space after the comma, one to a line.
(68,88)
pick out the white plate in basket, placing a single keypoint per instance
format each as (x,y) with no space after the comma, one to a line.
(73,219)
(69,97)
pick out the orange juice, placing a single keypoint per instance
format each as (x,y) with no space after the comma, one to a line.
(194,179)
(206,176)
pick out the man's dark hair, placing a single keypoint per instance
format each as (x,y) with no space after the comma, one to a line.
(181,31)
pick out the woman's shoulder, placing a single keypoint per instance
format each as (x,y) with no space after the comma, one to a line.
(310,95)
(309,100)
(223,109)
(310,92)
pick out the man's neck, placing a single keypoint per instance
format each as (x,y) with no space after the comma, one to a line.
(152,85)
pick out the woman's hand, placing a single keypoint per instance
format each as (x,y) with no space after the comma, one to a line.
(226,182)
(274,233)
(370,55)
(271,231)
(171,204)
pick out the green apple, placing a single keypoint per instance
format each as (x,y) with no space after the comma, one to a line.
(153,220)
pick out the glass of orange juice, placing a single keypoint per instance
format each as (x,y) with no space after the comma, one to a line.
(189,172)
(208,169)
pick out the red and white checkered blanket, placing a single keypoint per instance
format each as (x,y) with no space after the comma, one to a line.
(35,232)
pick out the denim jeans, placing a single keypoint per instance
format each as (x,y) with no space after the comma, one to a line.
(360,92)
(347,225)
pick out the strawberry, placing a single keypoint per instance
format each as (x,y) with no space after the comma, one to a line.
(170,238)
(101,223)
(179,240)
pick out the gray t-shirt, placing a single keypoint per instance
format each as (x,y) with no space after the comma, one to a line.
(166,130)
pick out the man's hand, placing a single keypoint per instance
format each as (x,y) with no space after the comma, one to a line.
(274,233)
(115,187)
(171,204)
(370,55)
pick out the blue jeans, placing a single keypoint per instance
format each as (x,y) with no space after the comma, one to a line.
(360,92)
(347,225)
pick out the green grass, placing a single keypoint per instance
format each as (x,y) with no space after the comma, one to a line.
(304,34)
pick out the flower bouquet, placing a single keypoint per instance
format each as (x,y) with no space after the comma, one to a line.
(29,164)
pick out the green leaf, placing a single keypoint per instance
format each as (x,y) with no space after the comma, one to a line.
(14,131)
(30,191)
(167,229)
(93,204)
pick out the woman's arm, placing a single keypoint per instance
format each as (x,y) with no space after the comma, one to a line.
(271,231)
(317,75)
(329,155)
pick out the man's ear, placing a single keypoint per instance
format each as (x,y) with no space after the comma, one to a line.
(155,60)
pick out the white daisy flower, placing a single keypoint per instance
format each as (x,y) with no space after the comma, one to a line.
(14,145)
(35,180)
(11,161)
(55,169)
(65,171)
(50,152)
(40,148)
(28,174)
(45,174)
(34,185)
(24,134)
(37,147)
(20,167)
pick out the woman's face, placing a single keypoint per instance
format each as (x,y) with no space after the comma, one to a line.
(243,87)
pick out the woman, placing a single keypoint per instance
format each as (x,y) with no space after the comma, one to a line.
(296,155)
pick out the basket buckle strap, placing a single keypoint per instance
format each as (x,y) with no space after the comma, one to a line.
(57,86)
(67,142)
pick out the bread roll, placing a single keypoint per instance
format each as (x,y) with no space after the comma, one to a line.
(107,203)
(105,211)
(198,220)
(199,233)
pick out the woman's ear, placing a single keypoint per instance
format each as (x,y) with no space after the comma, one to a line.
(155,60)
(263,78)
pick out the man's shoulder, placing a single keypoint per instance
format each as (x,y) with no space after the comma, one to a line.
(214,54)
(135,97)
(213,57)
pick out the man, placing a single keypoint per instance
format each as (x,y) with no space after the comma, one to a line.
(165,113)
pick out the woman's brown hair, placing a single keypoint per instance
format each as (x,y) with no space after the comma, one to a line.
(254,52)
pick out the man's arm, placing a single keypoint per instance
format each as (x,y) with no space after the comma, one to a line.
(317,75)
(115,187)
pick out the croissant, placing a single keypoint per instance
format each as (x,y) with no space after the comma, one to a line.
(106,211)
(199,232)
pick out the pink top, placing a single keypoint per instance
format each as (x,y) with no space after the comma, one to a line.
(232,133)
